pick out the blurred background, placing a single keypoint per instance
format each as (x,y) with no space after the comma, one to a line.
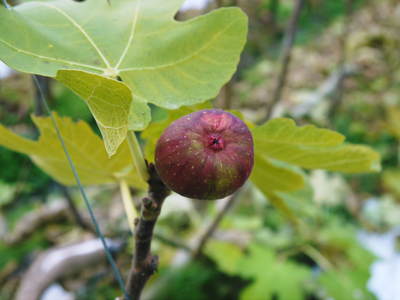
(332,63)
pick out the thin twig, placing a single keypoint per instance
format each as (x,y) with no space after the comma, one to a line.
(172,242)
(210,229)
(290,36)
(338,97)
(144,264)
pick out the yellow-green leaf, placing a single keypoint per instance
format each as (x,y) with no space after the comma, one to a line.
(86,150)
(391,180)
(270,177)
(393,119)
(226,255)
(111,104)
(312,148)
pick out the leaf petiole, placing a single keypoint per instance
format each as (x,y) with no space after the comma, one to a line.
(130,209)
(137,155)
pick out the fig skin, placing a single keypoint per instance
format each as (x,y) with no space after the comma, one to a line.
(207,154)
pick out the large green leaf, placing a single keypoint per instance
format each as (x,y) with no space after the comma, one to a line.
(312,148)
(86,150)
(163,61)
(111,104)
(280,142)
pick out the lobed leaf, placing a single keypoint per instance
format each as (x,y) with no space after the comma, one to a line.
(280,142)
(86,150)
(226,255)
(312,148)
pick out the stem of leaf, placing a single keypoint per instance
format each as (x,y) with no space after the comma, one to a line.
(137,155)
(130,209)
(321,260)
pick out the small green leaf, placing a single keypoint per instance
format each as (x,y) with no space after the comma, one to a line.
(391,179)
(111,104)
(86,150)
(226,255)
(163,61)
(7,192)
(312,148)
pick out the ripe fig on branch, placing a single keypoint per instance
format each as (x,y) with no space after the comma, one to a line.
(207,154)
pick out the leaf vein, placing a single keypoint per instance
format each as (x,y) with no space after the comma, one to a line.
(184,59)
(80,29)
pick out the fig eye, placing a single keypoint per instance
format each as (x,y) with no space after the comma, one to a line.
(216,142)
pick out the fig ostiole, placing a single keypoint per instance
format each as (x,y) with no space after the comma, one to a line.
(207,154)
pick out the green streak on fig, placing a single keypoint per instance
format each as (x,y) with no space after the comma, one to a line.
(207,155)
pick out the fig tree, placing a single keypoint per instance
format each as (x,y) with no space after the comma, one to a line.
(205,155)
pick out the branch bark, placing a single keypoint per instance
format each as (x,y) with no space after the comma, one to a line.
(50,214)
(144,264)
(290,36)
(57,262)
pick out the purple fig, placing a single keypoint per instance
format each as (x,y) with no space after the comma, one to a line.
(207,154)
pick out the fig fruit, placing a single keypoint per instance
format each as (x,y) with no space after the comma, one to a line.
(207,154)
